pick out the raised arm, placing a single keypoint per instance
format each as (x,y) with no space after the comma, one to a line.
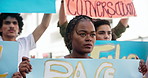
(124,21)
(62,15)
(62,23)
(42,27)
(120,28)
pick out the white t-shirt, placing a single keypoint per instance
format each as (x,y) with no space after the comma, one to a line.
(25,45)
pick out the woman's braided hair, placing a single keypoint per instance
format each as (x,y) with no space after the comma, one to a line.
(70,28)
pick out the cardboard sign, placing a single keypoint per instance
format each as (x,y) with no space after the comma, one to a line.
(27,6)
(100,8)
(120,50)
(84,68)
(9,58)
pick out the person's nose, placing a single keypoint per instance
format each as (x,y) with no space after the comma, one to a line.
(12,25)
(106,36)
(88,38)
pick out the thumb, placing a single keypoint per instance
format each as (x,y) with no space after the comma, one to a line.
(137,57)
(25,59)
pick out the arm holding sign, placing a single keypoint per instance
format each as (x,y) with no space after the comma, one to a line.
(62,20)
(120,28)
(24,68)
(142,67)
(117,31)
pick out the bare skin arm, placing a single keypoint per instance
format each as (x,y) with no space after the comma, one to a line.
(37,33)
(62,15)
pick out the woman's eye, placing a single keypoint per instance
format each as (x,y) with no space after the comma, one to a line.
(93,35)
(82,34)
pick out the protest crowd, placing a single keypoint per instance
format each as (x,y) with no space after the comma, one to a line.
(89,37)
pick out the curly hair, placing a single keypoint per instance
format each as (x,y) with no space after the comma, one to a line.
(3,16)
(70,28)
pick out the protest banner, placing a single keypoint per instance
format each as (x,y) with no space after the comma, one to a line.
(84,68)
(101,8)
(9,58)
(120,50)
(118,57)
(27,6)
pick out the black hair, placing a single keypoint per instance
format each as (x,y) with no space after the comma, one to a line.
(70,28)
(3,16)
(98,22)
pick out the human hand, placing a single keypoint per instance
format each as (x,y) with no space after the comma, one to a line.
(62,1)
(17,75)
(25,66)
(142,67)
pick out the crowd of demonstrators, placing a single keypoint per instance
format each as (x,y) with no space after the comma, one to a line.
(103,32)
(11,25)
(116,32)
(79,39)
(79,35)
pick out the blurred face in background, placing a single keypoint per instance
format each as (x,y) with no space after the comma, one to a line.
(104,32)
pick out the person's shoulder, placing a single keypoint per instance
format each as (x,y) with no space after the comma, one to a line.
(25,38)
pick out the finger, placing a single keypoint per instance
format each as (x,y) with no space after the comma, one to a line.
(23,74)
(17,75)
(137,57)
(25,64)
(142,63)
(25,59)
(25,69)
(144,69)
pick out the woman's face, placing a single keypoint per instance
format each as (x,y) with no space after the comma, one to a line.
(104,33)
(83,37)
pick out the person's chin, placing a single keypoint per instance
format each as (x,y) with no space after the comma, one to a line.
(12,35)
(88,50)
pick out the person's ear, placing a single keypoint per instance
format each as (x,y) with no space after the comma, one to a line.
(70,36)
